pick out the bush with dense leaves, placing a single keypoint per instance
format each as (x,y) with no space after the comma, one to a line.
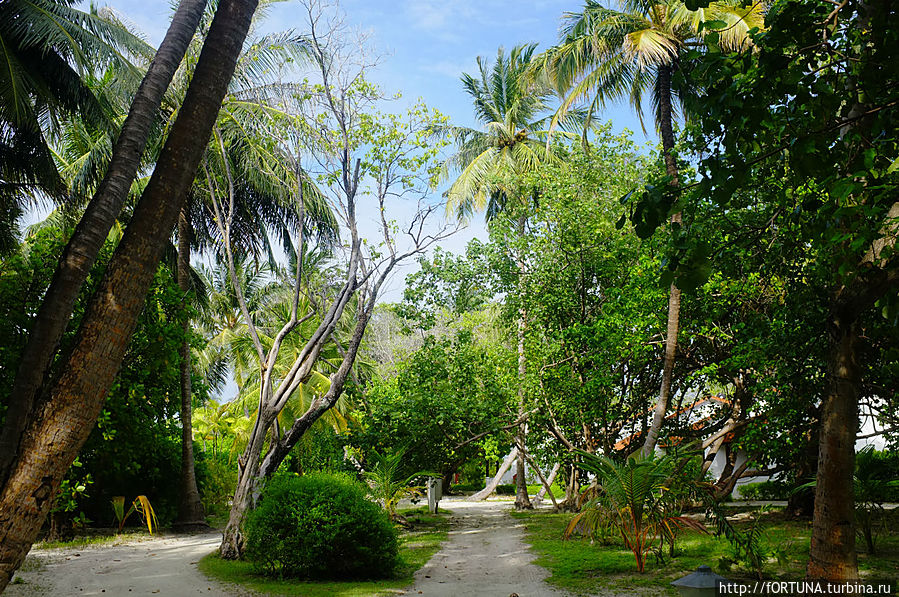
(320,526)
(506,489)
(766,490)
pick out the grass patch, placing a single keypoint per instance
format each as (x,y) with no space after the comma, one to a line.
(417,545)
(558,492)
(582,568)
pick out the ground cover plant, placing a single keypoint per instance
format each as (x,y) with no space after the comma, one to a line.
(581,566)
(418,541)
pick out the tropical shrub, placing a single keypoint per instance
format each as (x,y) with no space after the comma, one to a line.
(506,489)
(633,501)
(320,526)
(387,485)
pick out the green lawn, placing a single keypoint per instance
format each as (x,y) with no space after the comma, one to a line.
(417,545)
(582,568)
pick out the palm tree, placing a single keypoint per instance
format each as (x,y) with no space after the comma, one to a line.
(56,433)
(47,47)
(491,160)
(606,54)
(84,245)
(241,136)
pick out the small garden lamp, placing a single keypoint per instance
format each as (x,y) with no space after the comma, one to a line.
(702,583)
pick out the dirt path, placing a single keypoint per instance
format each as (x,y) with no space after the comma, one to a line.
(165,566)
(485,555)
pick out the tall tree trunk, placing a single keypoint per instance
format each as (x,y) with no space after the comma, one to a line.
(90,234)
(190,508)
(522,500)
(61,425)
(666,130)
(832,553)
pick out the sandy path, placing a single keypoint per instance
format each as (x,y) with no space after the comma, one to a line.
(157,566)
(484,555)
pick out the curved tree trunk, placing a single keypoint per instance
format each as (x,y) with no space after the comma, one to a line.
(254,472)
(538,499)
(190,509)
(60,427)
(90,234)
(666,129)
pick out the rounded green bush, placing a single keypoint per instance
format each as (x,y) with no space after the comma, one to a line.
(320,526)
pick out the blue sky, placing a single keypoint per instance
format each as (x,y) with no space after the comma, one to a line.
(426,44)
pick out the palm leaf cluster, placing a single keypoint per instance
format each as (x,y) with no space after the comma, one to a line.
(606,54)
(512,141)
(49,50)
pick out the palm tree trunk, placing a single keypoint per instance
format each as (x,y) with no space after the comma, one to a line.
(54,435)
(832,553)
(190,508)
(666,129)
(84,245)
(491,487)
(522,500)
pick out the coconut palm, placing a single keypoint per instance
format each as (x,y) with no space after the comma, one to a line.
(490,162)
(511,142)
(84,244)
(47,48)
(58,430)
(605,55)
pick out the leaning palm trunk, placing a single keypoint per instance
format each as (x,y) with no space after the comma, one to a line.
(491,487)
(62,423)
(84,245)
(666,129)
(547,487)
(190,508)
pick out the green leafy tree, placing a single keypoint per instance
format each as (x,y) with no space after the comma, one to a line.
(819,144)
(446,400)
(606,54)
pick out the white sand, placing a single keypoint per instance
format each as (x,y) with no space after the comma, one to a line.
(155,566)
